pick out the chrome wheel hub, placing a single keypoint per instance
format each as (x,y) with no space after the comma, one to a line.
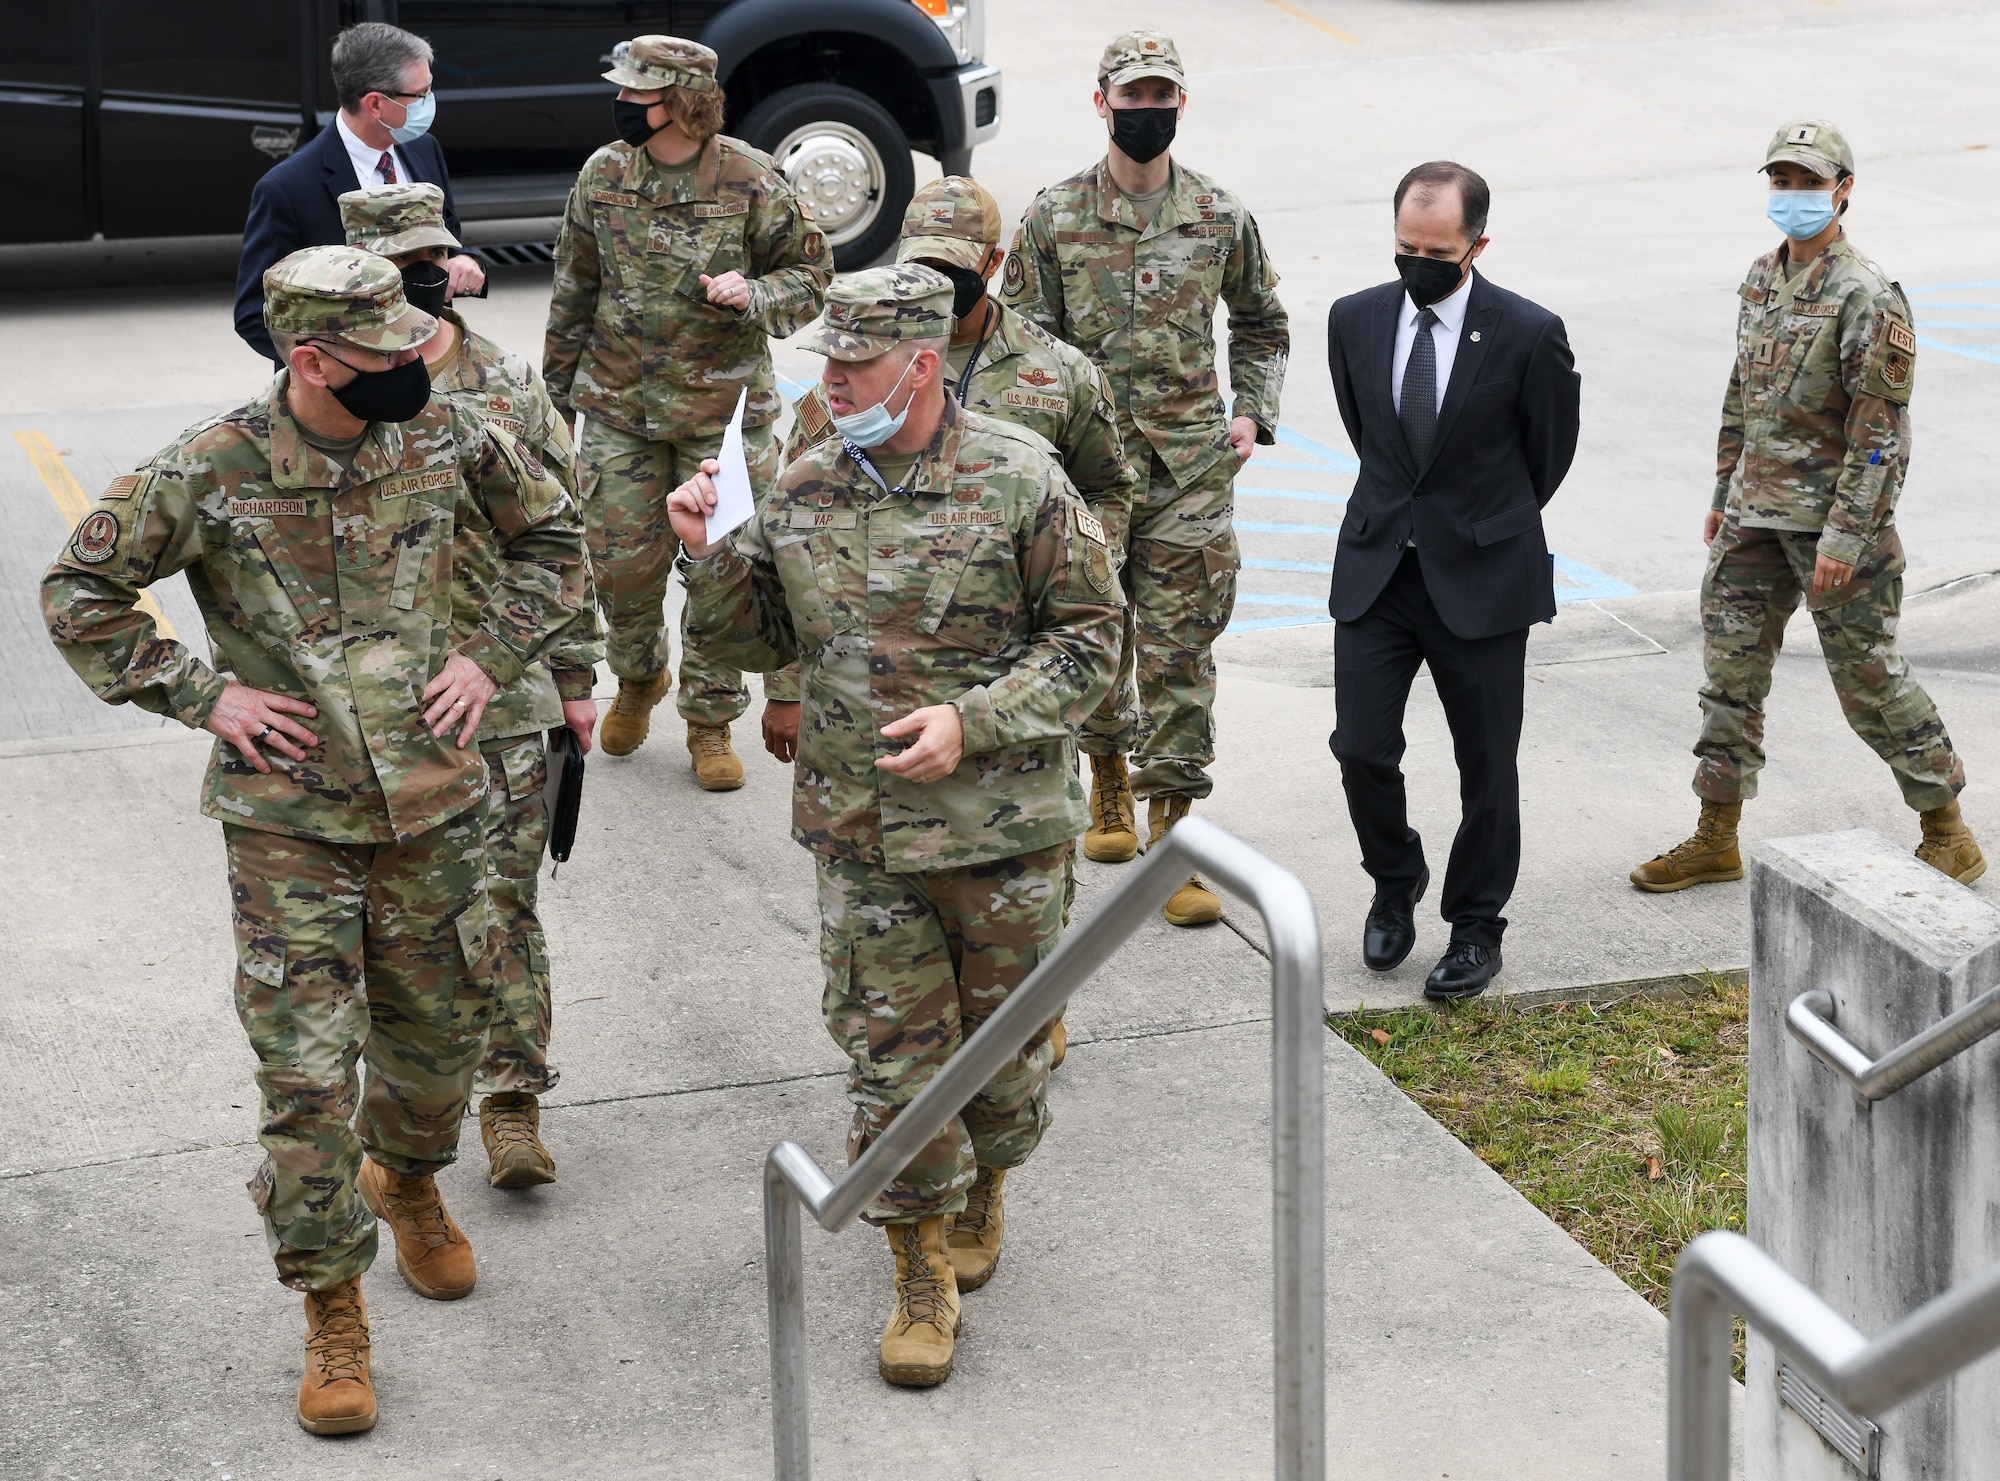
(837,173)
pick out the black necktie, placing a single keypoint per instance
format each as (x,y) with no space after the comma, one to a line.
(1419,411)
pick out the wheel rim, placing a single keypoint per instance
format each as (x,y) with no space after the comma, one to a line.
(837,172)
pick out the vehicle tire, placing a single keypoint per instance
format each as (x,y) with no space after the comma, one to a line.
(846,158)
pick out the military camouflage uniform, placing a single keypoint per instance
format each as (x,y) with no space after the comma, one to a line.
(636,347)
(982,582)
(1140,302)
(506,390)
(358,875)
(1813,451)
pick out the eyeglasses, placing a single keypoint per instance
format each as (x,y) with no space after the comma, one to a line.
(413,97)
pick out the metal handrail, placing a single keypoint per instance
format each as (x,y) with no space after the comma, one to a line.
(1298,1116)
(1809,1018)
(1722,1274)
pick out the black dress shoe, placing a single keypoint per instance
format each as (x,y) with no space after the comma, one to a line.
(1391,929)
(1463,971)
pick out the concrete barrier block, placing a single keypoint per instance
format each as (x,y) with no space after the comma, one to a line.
(1877,1207)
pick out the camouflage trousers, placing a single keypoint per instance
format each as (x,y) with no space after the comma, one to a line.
(914,964)
(623,482)
(517,830)
(1754,582)
(1180,589)
(351,955)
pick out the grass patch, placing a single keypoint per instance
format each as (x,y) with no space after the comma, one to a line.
(1623,1122)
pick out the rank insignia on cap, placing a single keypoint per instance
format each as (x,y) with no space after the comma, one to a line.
(940,215)
(1805,133)
(96,539)
(1149,46)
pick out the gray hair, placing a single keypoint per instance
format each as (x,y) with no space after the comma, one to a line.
(372,58)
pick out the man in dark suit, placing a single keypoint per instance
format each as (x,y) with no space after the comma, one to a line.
(1460,399)
(382,76)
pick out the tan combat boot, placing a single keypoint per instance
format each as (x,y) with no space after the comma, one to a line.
(917,1343)
(1194,903)
(624,729)
(715,765)
(1709,857)
(974,1240)
(432,1253)
(511,1125)
(1113,835)
(1059,1042)
(1948,846)
(336,1397)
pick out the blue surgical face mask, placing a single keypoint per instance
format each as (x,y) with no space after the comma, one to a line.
(416,119)
(1801,214)
(874,425)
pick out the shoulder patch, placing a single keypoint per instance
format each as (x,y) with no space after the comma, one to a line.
(1013,276)
(1901,338)
(815,419)
(96,539)
(1892,366)
(121,487)
(1087,524)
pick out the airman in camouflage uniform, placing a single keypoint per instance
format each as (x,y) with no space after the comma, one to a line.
(322,560)
(1133,282)
(678,259)
(405,223)
(1815,444)
(962,594)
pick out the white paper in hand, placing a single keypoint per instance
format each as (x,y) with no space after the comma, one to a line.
(734,503)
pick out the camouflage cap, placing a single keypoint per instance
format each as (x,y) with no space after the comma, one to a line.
(346,294)
(392,219)
(952,220)
(1139,54)
(870,312)
(1814,143)
(649,63)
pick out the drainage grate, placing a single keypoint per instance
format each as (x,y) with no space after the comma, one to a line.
(1856,1440)
(516,254)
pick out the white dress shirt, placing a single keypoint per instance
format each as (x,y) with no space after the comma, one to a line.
(1444,335)
(366,158)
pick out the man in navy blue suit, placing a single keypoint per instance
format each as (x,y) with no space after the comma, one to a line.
(1461,400)
(382,76)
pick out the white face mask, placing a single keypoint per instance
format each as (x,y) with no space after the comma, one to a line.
(874,425)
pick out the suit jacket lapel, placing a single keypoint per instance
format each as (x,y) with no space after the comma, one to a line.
(336,169)
(1473,338)
(1379,370)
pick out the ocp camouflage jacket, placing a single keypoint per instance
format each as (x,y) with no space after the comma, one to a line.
(1141,303)
(986,583)
(505,389)
(1025,375)
(1816,421)
(330,587)
(632,337)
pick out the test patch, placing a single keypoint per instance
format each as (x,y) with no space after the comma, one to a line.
(1088,525)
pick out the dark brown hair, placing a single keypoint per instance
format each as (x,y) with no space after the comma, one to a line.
(1475,200)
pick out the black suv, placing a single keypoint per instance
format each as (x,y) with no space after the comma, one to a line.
(150,118)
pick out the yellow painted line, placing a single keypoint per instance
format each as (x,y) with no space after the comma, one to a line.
(74,504)
(1301,13)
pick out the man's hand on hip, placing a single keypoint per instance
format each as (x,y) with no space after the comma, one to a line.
(466,275)
(461,691)
(1829,573)
(247,718)
(1711,527)
(939,744)
(1243,436)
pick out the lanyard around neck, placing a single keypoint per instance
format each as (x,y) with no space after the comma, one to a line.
(965,375)
(867,465)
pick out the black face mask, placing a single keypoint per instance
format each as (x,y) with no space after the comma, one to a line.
(399,394)
(967,288)
(427,285)
(1144,133)
(1429,279)
(630,119)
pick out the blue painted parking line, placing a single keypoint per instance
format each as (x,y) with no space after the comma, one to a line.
(1262,527)
(1263,599)
(1262,563)
(1988,353)
(1324,456)
(1941,334)
(1587,585)
(1299,494)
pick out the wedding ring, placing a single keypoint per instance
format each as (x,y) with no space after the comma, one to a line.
(261,734)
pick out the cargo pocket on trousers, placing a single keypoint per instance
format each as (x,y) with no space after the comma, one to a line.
(472,1004)
(1216,601)
(1915,730)
(846,1019)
